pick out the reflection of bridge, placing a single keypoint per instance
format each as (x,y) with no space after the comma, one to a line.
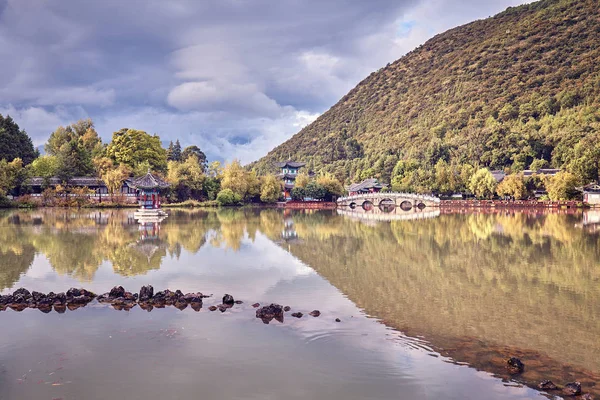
(387,202)
(397,215)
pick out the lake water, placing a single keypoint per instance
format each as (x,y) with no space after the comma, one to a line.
(429,308)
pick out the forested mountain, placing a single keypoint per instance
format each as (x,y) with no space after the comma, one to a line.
(519,90)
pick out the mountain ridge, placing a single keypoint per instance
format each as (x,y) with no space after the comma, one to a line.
(509,91)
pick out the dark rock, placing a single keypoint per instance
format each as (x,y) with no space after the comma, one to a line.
(314,313)
(239,302)
(547,385)
(117,291)
(212,308)
(45,309)
(515,366)
(130,296)
(4,300)
(18,307)
(287,308)
(572,389)
(146,293)
(146,306)
(228,299)
(256,305)
(196,306)
(179,294)
(19,299)
(338,320)
(297,314)
(193,297)
(45,301)
(73,292)
(181,304)
(224,307)
(80,300)
(37,296)
(60,308)
(59,298)
(22,292)
(270,312)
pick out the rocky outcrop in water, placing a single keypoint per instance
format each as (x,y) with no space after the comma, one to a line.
(22,298)
(270,312)
(572,389)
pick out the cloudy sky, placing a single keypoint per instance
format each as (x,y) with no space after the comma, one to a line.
(236,77)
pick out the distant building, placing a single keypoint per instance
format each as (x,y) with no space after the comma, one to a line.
(591,194)
(370,185)
(289,172)
(499,175)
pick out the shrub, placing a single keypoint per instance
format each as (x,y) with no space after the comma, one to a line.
(227,197)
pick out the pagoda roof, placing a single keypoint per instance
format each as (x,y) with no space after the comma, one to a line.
(370,183)
(291,164)
(149,181)
(287,176)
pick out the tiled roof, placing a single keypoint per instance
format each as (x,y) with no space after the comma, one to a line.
(149,181)
(370,183)
(291,164)
(498,175)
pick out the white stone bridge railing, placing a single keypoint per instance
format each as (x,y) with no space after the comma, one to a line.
(396,197)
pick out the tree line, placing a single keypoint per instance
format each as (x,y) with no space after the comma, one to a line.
(78,151)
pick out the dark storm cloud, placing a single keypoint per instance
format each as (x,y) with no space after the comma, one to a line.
(234,76)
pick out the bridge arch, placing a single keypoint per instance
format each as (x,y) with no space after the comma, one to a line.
(367,205)
(406,205)
(387,205)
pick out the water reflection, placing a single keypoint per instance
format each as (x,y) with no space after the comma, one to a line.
(475,286)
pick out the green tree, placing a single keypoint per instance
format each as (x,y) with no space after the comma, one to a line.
(315,191)
(562,186)
(44,167)
(11,175)
(176,151)
(483,184)
(195,150)
(512,186)
(170,151)
(298,193)
(133,147)
(538,164)
(333,187)
(14,142)
(271,189)
(73,160)
(227,197)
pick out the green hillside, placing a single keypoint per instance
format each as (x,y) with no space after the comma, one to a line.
(519,90)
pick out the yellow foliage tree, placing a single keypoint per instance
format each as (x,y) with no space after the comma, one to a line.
(271,189)
(513,186)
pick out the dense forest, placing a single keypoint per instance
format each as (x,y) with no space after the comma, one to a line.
(517,91)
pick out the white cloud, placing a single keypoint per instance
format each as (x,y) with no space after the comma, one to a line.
(235,78)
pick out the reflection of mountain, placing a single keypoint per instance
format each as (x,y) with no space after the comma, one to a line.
(509,280)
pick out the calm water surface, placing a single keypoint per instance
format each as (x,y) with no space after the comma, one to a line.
(429,308)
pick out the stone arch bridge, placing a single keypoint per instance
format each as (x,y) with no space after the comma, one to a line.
(388,201)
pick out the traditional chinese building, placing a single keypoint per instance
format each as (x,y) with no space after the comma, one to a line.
(148,193)
(591,194)
(289,172)
(370,185)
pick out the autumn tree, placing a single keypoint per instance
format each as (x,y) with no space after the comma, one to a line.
(483,184)
(113,178)
(270,190)
(562,186)
(512,186)
(235,178)
(333,187)
(302,180)
(44,167)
